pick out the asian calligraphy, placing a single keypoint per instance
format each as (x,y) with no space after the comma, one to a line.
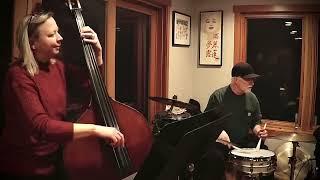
(212,48)
(210,38)
(182,29)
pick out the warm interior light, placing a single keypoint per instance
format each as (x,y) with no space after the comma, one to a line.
(293,32)
(288,23)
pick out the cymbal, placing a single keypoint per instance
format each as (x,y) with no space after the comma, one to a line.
(295,137)
(302,166)
(172,102)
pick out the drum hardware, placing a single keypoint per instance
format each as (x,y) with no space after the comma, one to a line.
(293,159)
(189,172)
(294,138)
(172,102)
(163,118)
(295,156)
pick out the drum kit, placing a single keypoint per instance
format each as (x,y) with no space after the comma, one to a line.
(296,154)
(172,102)
(255,163)
(177,110)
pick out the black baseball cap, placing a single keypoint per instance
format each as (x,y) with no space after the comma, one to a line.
(244,70)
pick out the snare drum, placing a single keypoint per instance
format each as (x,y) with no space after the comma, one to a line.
(254,162)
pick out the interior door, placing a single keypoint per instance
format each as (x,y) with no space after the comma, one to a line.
(148,51)
(132,58)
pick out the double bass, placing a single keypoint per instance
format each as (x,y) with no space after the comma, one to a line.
(92,157)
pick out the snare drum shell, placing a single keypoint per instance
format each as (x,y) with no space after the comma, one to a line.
(263,163)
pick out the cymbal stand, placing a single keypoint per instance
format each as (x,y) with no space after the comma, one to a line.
(174,97)
(293,159)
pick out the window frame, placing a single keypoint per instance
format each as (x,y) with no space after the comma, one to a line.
(308,83)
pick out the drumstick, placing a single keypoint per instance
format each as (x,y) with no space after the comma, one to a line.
(259,142)
(229,143)
(235,147)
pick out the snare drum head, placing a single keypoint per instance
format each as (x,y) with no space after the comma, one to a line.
(252,153)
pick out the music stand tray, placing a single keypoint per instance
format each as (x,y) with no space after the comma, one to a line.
(189,145)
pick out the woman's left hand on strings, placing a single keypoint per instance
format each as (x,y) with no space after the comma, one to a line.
(88,35)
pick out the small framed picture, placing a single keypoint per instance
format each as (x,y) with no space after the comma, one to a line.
(181,29)
(210,38)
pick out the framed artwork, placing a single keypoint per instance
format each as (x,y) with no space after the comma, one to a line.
(181,29)
(210,38)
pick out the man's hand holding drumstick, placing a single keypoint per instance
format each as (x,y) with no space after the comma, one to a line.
(260,132)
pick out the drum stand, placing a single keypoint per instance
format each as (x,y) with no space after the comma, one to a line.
(295,138)
(293,159)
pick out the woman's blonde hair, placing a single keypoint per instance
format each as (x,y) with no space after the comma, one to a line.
(27,31)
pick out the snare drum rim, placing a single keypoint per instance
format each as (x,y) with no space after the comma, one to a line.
(254,166)
(235,153)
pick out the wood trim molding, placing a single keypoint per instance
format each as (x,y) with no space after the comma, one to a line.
(293,8)
(153,3)
(240,36)
(110,44)
(161,52)
(134,7)
(165,75)
(21,9)
(152,106)
(157,2)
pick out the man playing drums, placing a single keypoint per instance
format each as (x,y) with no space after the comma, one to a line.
(238,99)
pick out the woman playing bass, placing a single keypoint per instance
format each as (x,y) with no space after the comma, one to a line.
(35,99)
(90,158)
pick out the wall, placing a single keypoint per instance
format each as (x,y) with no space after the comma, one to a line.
(181,61)
(186,78)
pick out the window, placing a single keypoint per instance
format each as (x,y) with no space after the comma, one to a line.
(306,101)
(274,50)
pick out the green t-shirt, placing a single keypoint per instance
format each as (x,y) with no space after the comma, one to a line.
(245,111)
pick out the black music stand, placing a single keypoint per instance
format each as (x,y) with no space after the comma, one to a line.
(189,146)
(173,132)
(180,143)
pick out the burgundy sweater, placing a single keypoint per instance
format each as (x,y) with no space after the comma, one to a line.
(34,126)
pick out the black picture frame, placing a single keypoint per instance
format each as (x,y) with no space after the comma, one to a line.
(181,29)
(210,38)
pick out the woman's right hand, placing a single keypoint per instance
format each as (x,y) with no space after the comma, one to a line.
(111,134)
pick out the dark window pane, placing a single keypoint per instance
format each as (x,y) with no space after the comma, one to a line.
(274,50)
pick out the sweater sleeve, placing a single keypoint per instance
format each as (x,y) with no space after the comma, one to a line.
(257,116)
(212,102)
(33,115)
(78,83)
